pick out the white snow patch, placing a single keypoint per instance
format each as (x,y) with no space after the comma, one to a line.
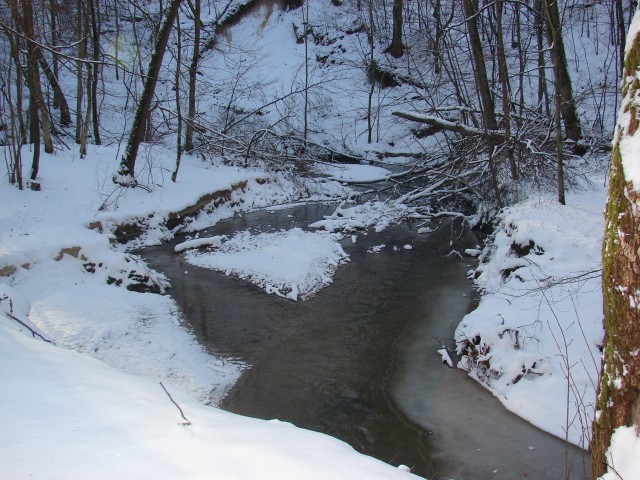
(623,456)
(292,264)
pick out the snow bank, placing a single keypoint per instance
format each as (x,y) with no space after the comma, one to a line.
(71,408)
(538,327)
(65,415)
(376,215)
(292,264)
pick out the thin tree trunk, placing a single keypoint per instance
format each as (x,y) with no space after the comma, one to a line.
(482,83)
(506,93)
(53,12)
(193,75)
(95,35)
(34,134)
(79,65)
(437,16)
(306,70)
(543,95)
(372,79)
(59,99)
(572,127)
(174,175)
(25,21)
(126,175)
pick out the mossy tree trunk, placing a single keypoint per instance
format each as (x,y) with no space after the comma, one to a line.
(618,401)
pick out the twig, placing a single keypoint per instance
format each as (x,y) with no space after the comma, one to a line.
(33,332)
(186,420)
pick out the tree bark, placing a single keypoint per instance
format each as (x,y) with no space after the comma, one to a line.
(59,99)
(396,49)
(126,174)
(193,75)
(506,90)
(482,83)
(95,37)
(618,401)
(23,18)
(572,128)
(480,71)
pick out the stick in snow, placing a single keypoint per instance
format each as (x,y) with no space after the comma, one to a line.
(186,420)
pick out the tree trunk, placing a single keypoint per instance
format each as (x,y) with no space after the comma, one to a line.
(372,79)
(25,21)
(482,83)
(193,74)
(174,175)
(572,127)
(59,99)
(95,37)
(127,165)
(618,401)
(396,49)
(506,91)
(543,95)
(81,54)
(480,71)
(437,16)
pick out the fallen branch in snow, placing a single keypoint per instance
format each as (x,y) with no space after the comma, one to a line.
(33,332)
(456,127)
(13,317)
(186,420)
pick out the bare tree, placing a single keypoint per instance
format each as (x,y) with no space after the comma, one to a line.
(126,174)
(572,127)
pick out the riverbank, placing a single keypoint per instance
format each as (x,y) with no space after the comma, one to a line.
(535,338)
(92,365)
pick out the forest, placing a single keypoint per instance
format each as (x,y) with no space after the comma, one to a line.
(471,107)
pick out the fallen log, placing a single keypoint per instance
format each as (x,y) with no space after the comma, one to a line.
(450,126)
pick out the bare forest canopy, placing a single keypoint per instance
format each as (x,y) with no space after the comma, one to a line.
(480,96)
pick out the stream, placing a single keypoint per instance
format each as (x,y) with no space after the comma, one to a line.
(358,361)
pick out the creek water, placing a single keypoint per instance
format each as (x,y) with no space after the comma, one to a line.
(358,361)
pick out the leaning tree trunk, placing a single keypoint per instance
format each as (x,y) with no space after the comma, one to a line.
(126,174)
(618,401)
(572,127)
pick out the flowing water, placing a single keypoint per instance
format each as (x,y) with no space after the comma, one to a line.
(358,361)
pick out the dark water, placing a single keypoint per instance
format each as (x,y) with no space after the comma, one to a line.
(358,361)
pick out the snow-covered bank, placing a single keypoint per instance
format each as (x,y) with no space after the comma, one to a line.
(67,415)
(534,339)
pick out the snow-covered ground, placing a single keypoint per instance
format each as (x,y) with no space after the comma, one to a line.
(90,404)
(540,315)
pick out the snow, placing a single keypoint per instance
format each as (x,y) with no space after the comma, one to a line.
(630,144)
(538,327)
(90,404)
(66,415)
(375,214)
(292,264)
(623,456)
